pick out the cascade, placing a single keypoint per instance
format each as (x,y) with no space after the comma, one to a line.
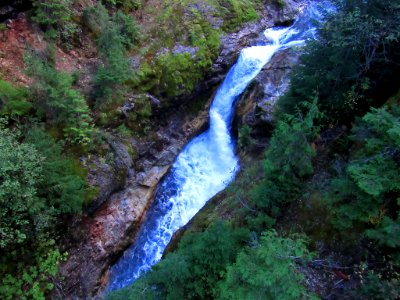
(208,163)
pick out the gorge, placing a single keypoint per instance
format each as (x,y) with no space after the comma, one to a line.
(208,163)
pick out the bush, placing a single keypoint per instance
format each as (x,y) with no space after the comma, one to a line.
(37,185)
(116,35)
(126,5)
(288,161)
(176,75)
(21,172)
(13,100)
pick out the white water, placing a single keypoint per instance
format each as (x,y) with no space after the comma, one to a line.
(205,166)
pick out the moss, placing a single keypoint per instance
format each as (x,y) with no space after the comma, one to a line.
(176,74)
(124,131)
(132,152)
(239,12)
(91,193)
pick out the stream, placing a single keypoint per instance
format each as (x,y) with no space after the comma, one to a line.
(208,162)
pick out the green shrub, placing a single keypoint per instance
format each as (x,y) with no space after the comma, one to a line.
(38,185)
(267,271)
(13,100)
(30,280)
(21,172)
(115,35)
(288,161)
(176,74)
(126,5)
(245,140)
(237,12)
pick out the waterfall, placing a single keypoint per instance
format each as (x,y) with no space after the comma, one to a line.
(208,163)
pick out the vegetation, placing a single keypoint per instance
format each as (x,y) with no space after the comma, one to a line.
(332,164)
(13,100)
(330,174)
(267,270)
(352,64)
(58,102)
(55,16)
(38,186)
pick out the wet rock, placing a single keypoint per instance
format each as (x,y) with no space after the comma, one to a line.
(283,15)
(251,34)
(108,232)
(255,108)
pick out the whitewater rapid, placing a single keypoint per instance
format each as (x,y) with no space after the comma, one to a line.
(207,164)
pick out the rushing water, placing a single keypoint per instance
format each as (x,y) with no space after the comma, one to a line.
(208,163)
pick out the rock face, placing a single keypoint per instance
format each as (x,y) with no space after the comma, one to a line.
(251,34)
(256,105)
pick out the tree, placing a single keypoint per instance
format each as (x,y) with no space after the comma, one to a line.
(370,184)
(288,161)
(267,271)
(57,101)
(115,35)
(13,100)
(20,173)
(36,186)
(55,17)
(193,271)
(353,61)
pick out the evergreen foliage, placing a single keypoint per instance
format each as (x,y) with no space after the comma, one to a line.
(32,277)
(37,184)
(13,100)
(267,271)
(353,61)
(37,187)
(20,173)
(287,161)
(370,183)
(58,101)
(116,35)
(56,18)
(193,271)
